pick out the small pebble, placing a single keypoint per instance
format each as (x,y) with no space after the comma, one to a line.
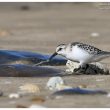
(71,66)
(25,7)
(94,34)
(4,33)
(38,100)
(53,82)
(29,88)
(14,95)
(21,106)
(82,86)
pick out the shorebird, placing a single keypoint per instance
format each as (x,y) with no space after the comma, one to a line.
(81,53)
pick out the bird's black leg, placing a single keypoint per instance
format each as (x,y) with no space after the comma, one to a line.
(81,69)
(77,69)
(85,67)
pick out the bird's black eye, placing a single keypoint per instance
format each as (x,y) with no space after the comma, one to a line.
(59,49)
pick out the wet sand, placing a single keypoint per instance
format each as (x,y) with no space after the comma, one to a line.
(41,29)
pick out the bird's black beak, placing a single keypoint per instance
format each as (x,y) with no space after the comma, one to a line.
(52,56)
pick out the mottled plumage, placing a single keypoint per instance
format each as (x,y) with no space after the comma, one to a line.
(90,49)
(80,52)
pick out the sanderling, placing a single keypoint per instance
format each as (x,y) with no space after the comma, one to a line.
(81,53)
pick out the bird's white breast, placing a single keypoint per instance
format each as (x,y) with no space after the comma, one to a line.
(78,54)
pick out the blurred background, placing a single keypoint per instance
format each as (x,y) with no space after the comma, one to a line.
(40,27)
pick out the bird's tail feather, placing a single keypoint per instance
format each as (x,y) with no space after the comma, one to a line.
(106,53)
(103,55)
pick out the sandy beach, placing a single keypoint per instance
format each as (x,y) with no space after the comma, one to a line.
(42,27)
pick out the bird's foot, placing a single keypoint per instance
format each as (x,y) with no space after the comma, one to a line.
(81,69)
(85,67)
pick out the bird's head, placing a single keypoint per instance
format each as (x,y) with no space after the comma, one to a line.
(60,50)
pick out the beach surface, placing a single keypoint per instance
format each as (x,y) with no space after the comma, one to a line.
(40,27)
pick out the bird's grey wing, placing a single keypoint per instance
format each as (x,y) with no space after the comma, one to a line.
(88,48)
